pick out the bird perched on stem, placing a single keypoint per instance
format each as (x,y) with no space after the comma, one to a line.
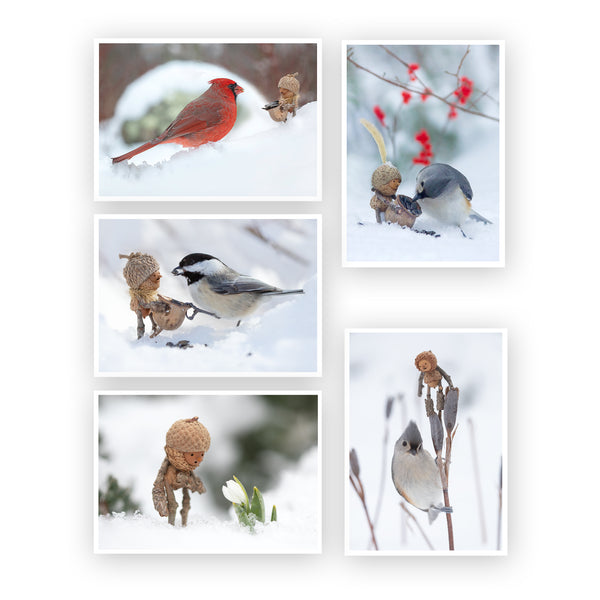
(208,118)
(216,287)
(445,194)
(416,475)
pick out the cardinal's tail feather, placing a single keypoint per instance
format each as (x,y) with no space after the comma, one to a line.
(137,150)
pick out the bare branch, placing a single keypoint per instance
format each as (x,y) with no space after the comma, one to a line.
(414,90)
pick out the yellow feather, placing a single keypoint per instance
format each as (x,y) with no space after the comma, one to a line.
(377,137)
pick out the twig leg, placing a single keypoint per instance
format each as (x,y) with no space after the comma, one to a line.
(156,329)
(171,504)
(185,508)
(141,328)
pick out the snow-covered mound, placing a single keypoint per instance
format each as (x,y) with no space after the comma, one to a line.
(259,157)
(369,242)
(281,337)
(297,529)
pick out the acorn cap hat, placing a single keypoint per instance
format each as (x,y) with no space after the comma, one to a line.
(289,82)
(138,268)
(188,435)
(383,174)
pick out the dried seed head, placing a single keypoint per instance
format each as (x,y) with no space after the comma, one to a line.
(450,408)
(388,407)
(437,434)
(354,467)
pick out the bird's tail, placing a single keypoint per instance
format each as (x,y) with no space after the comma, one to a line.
(434,511)
(280,292)
(137,150)
(475,215)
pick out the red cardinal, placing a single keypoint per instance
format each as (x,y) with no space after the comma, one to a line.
(208,118)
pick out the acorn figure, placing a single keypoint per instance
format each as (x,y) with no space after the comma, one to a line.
(142,274)
(187,441)
(389,207)
(431,375)
(289,93)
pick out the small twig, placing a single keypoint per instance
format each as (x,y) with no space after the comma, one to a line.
(477,478)
(254,230)
(388,411)
(414,90)
(412,517)
(460,64)
(359,489)
(444,478)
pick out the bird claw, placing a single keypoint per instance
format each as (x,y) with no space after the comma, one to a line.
(197,310)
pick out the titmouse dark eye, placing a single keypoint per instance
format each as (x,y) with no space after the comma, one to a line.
(419,447)
(404,443)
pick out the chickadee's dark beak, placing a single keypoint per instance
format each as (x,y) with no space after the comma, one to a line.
(177,271)
(417,196)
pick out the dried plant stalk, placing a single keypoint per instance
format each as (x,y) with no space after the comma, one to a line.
(360,491)
(477,478)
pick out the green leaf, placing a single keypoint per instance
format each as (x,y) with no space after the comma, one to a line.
(274,514)
(243,490)
(257,506)
(244,518)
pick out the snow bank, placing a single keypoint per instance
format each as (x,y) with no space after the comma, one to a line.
(259,157)
(297,530)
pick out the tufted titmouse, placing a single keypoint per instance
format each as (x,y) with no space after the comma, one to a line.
(416,475)
(221,290)
(445,194)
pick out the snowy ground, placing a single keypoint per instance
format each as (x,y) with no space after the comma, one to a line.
(474,360)
(368,243)
(259,157)
(281,337)
(136,452)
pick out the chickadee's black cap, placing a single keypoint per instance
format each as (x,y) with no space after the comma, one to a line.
(191,259)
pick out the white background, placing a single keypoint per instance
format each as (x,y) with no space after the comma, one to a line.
(545,297)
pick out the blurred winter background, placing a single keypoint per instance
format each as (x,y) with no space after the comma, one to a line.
(142,88)
(281,336)
(268,441)
(468,142)
(381,366)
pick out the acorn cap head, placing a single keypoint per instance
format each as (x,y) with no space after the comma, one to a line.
(188,435)
(384,174)
(426,361)
(138,268)
(289,82)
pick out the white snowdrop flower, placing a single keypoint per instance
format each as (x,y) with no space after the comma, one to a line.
(234,493)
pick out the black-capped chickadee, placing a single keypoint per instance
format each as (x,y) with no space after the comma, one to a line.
(445,194)
(216,287)
(416,475)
